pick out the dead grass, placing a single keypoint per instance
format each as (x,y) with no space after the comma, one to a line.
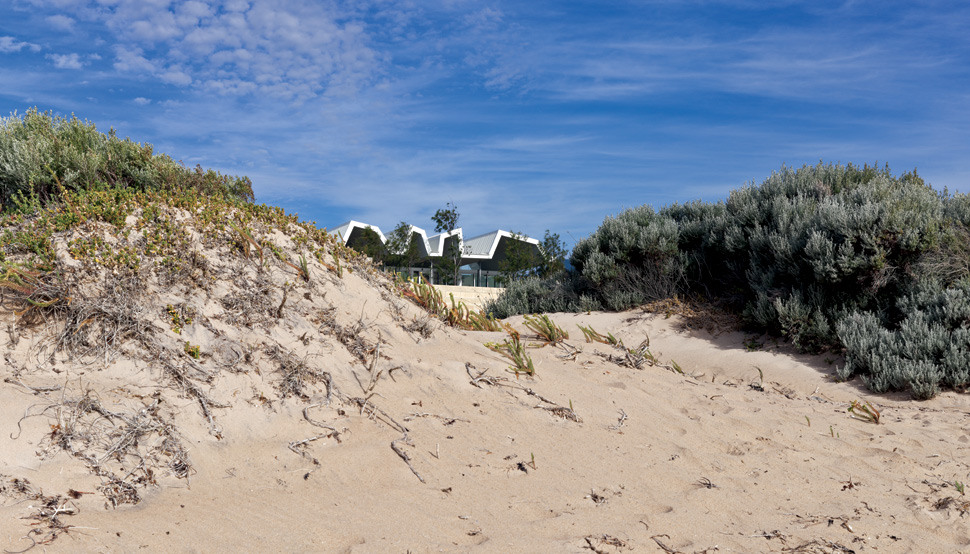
(296,374)
(478,379)
(422,326)
(599,543)
(251,303)
(639,357)
(185,373)
(46,524)
(351,336)
(125,447)
(95,326)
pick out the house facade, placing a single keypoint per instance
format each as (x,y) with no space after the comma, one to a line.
(481,255)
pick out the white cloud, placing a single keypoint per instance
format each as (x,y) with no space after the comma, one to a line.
(175,77)
(290,49)
(141,101)
(66,61)
(192,13)
(156,27)
(236,6)
(10,44)
(132,59)
(62,22)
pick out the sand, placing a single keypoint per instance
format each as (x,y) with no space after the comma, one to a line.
(719,458)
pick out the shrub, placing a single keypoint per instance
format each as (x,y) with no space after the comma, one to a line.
(930,347)
(828,256)
(562,293)
(43,155)
(631,259)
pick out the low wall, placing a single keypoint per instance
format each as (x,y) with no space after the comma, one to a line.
(473,297)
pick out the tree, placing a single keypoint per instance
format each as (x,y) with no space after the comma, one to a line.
(368,242)
(553,251)
(519,260)
(446,220)
(402,247)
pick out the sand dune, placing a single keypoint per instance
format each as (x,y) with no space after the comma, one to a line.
(138,446)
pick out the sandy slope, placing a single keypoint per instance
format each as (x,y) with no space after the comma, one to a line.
(701,462)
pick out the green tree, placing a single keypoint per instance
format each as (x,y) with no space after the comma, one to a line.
(519,261)
(446,220)
(553,252)
(402,247)
(368,242)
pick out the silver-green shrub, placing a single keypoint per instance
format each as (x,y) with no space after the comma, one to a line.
(533,295)
(829,256)
(632,258)
(929,348)
(41,153)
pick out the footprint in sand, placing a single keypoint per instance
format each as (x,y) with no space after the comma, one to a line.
(663,509)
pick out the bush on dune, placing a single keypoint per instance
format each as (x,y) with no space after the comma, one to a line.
(42,156)
(829,256)
(117,208)
(531,295)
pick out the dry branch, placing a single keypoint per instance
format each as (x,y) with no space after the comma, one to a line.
(550,406)
(404,455)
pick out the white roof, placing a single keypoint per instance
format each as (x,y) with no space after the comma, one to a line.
(438,241)
(345,229)
(481,247)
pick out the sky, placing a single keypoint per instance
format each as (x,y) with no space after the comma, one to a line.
(527,115)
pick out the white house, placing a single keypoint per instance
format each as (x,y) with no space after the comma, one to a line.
(481,255)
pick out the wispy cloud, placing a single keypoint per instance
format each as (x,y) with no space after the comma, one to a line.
(60,22)
(66,61)
(10,44)
(529,115)
(289,50)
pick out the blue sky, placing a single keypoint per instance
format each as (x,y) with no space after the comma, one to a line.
(529,115)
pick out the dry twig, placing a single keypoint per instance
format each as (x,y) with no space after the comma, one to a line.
(619,422)
(404,455)
(544,403)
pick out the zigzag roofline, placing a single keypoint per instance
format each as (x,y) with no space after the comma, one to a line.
(480,247)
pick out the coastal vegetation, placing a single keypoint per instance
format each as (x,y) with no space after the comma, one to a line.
(831,257)
(73,195)
(852,259)
(43,156)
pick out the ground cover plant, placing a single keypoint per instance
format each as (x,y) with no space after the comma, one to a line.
(456,314)
(829,256)
(514,349)
(124,207)
(545,329)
